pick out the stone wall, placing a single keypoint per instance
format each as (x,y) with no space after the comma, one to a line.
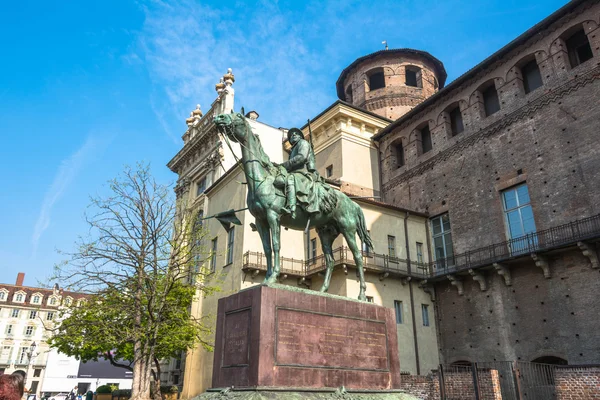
(577,383)
(425,387)
(396,98)
(538,381)
(547,139)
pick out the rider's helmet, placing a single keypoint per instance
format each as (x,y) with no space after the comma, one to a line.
(292,131)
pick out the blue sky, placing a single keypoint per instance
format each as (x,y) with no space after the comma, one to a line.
(89,86)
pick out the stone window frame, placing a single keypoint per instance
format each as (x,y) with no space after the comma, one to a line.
(4,294)
(417,136)
(399,311)
(568,34)
(368,76)
(38,296)
(516,76)
(446,118)
(68,301)
(19,297)
(418,76)
(425,317)
(477,98)
(53,301)
(393,152)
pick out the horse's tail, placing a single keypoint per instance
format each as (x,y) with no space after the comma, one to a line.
(363,234)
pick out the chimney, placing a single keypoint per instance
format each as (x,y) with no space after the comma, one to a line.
(20,279)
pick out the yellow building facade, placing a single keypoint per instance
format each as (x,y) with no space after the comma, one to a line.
(212,181)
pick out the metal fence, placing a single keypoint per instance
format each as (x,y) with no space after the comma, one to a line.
(513,380)
(558,236)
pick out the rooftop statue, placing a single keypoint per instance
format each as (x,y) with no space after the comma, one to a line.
(294,195)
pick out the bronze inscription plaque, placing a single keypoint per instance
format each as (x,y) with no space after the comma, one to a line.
(326,341)
(236,338)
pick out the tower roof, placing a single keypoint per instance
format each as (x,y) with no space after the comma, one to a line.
(439,66)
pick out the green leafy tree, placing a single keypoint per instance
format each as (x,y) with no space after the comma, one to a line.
(142,265)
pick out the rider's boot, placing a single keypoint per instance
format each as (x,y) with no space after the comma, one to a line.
(290,194)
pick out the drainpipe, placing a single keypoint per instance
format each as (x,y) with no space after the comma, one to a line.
(379,173)
(412,299)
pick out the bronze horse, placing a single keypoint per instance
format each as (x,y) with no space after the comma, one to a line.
(266,200)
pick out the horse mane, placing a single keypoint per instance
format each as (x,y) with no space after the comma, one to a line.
(261,156)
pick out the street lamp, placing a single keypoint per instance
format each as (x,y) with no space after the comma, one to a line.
(30,355)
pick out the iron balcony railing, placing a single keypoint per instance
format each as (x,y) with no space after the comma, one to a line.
(341,255)
(555,237)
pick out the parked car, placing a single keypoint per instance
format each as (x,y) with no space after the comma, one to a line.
(60,396)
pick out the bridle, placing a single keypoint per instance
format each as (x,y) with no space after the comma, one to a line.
(229,129)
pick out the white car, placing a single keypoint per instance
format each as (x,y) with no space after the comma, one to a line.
(59,396)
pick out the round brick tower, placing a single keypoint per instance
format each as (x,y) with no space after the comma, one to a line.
(391,82)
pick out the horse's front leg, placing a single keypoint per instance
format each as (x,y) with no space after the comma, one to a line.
(265,236)
(275,227)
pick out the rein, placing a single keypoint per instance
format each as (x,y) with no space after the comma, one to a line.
(230,129)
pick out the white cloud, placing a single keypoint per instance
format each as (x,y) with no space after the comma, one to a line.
(187,47)
(67,171)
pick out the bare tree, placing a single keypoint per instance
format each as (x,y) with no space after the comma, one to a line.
(142,263)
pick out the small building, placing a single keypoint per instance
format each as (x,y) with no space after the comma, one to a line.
(26,315)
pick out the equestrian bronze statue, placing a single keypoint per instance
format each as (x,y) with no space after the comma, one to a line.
(294,195)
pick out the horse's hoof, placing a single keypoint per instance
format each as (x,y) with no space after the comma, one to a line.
(362,297)
(271,279)
(324,289)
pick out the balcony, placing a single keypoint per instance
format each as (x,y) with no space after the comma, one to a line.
(342,256)
(562,236)
(553,238)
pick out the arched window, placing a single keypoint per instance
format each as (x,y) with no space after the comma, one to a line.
(456,120)
(376,79)
(532,77)
(413,76)
(550,360)
(19,297)
(425,136)
(578,48)
(397,153)
(491,102)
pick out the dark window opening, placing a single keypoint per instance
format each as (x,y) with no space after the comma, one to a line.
(579,49)
(175,379)
(34,386)
(399,150)
(349,94)
(426,139)
(376,80)
(370,299)
(551,360)
(491,102)
(398,310)
(413,77)
(37,373)
(532,77)
(456,121)
(329,171)
(201,186)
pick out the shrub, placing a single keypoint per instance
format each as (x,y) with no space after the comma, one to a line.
(103,389)
(169,389)
(122,393)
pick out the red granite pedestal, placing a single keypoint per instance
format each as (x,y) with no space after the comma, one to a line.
(281,337)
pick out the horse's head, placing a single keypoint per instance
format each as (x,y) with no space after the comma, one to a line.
(233,125)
